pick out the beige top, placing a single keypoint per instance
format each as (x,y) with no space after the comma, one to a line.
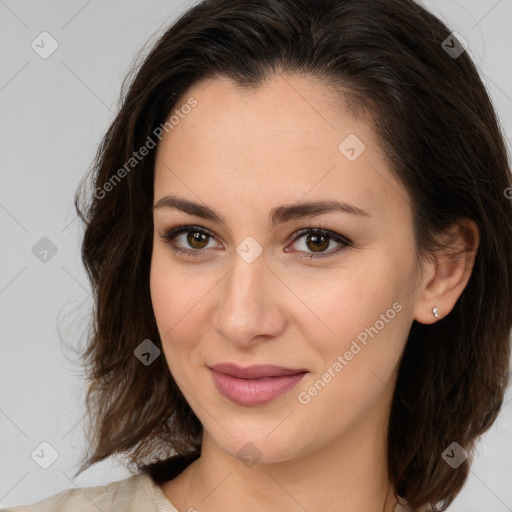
(137,493)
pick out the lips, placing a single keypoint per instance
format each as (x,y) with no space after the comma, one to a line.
(254,385)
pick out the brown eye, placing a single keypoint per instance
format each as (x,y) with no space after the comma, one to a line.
(190,240)
(316,241)
(196,239)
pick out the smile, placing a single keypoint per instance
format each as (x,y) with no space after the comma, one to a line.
(254,391)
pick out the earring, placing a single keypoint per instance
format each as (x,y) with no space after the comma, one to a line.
(435,312)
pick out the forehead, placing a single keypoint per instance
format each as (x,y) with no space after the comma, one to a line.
(295,107)
(287,137)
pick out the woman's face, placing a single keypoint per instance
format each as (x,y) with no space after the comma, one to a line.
(255,291)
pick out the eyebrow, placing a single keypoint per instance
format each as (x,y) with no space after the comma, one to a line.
(278,215)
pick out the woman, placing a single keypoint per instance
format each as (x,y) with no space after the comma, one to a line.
(299,243)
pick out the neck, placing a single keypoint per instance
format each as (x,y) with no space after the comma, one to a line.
(347,474)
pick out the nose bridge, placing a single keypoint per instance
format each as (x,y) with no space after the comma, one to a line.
(247,301)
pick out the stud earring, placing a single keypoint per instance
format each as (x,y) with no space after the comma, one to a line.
(435,312)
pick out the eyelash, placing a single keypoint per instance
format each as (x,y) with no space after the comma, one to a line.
(178,229)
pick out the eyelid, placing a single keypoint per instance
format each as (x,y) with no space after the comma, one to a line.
(320,231)
(343,242)
(175,230)
(178,229)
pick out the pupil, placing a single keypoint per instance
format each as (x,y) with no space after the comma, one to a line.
(196,238)
(318,241)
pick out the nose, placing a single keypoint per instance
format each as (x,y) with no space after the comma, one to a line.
(250,306)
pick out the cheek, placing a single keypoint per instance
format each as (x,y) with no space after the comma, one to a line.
(174,292)
(365,317)
(168,305)
(178,304)
(344,305)
(356,363)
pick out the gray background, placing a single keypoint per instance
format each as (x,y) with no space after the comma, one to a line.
(53,113)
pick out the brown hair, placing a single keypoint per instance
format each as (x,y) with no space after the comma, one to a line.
(441,136)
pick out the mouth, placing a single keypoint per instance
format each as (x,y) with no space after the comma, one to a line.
(254,385)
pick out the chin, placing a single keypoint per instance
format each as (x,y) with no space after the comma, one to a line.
(257,447)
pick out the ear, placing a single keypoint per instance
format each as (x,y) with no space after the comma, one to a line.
(446,275)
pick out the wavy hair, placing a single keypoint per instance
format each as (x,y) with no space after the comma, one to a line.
(439,131)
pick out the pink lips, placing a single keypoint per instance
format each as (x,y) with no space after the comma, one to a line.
(254,385)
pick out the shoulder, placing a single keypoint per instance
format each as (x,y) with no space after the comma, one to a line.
(133,494)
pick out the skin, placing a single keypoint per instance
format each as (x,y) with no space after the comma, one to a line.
(243,153)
